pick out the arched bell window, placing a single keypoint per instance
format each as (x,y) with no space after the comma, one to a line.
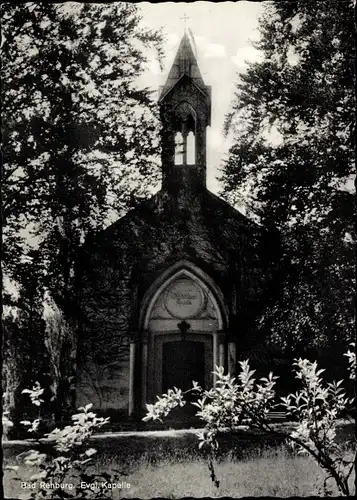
(191,149)
(185,126)
(179,149)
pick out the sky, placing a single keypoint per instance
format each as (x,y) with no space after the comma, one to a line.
(223,34)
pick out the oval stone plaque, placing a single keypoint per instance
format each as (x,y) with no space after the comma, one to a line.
(184,299)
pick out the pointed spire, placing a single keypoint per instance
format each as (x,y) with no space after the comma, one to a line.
(185,63)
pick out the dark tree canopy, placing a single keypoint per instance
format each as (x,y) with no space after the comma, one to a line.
(79,139)
(292,163)
(79,136)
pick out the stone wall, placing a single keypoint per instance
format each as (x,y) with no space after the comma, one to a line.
(118,266)
(106,387)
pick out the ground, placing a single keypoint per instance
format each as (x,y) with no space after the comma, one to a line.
(168,464)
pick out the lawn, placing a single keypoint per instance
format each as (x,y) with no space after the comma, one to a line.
(172,467)
(268,473)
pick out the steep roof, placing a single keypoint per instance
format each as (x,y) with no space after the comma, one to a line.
(185,63)
(211,203)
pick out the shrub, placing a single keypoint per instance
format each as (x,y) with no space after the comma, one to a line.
(245,400)
(64,471)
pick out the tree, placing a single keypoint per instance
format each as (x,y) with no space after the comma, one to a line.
(291,163)
(79,135)
(25,353)
(76,128)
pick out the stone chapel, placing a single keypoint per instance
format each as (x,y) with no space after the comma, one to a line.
(176,286)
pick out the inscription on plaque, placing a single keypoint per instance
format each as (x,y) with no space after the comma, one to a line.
(184,299)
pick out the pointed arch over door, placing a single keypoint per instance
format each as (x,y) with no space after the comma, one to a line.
(183,319)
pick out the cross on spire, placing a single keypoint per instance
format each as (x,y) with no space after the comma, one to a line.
(185,18)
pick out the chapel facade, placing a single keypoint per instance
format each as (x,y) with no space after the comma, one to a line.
(176,286)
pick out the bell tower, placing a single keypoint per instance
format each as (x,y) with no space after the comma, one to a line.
(185,111)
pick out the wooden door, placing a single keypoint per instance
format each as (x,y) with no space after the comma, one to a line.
(182,362)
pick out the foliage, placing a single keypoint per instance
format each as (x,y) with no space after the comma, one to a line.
(292,161)
(64,472)
(76,128)
(316,406)
(165,404)
(351,355)
(6,423)
(23,335)
(79,137)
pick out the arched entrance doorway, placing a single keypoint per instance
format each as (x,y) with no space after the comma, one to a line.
(183,324)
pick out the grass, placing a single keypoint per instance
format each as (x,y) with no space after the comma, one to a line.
(268,475)
(172,467)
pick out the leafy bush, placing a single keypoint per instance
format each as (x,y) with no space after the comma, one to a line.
(64,471)
(245,400)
